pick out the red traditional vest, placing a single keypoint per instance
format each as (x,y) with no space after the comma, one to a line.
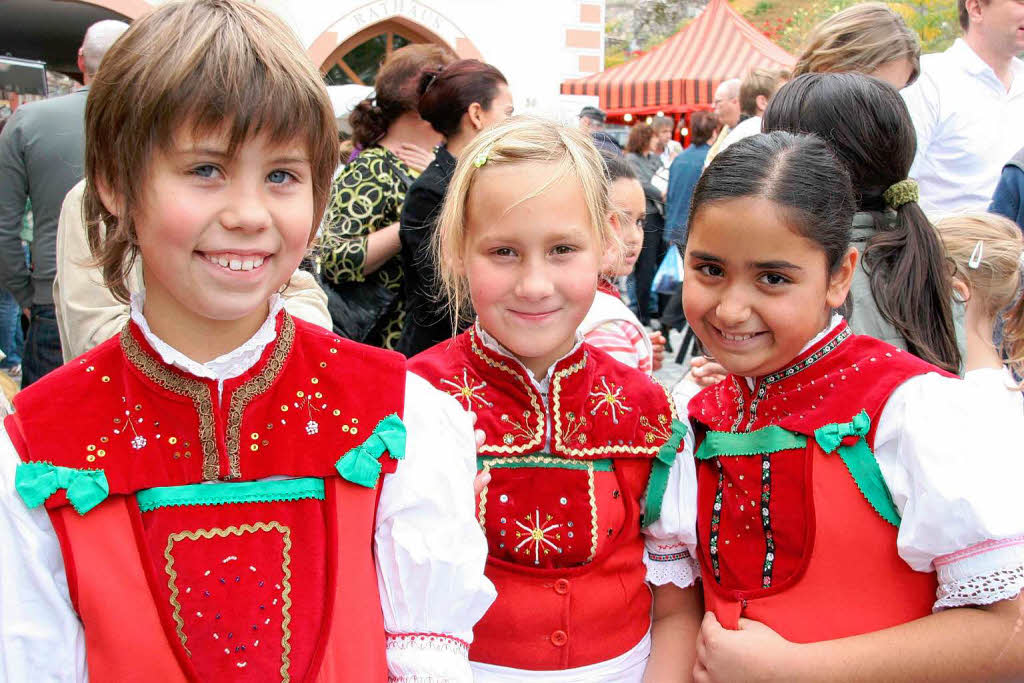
(795,525)
(178,580)
(562,512)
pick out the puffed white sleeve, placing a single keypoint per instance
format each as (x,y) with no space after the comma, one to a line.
(949,452)
(41,638)
(430,549)
(670,543)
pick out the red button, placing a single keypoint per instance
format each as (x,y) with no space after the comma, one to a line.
(562,586)
(559,638)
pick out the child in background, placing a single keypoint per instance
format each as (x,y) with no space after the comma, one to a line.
(588,503)
(987,250)
(223,492)
(610,325)
(843,484)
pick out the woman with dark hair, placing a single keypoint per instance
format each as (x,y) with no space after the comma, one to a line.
(641,152)
(359,253)
(902,289)
(458,102)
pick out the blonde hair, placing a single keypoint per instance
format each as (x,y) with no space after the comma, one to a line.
(859,39)
(996,281)
(759,81)
(519,140)
(203,66)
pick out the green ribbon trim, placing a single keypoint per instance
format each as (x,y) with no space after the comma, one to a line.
(37,481)
(512,462)
(658,481)
(230,493)
(771,439)
(860,461)
(360,465)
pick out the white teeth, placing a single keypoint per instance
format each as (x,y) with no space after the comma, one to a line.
(737,337)
(221,261)
(235,264)
(246,265)
(258,262)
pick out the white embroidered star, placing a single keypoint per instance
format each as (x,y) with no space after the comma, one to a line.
(537,535)
(468,391)
(609,398)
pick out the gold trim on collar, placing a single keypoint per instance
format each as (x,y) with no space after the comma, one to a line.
(244,395)
(194,389)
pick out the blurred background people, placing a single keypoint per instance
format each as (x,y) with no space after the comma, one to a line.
(592,121)
(642,155)
(361,267)
(458,102)
(1008,199)
(685,172)
(727,109)
(757,89)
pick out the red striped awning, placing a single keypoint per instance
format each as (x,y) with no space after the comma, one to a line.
(682,73)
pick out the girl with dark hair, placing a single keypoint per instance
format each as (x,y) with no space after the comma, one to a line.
(359,249)
(902,291)
(458,102)
(610,325)
(836,499)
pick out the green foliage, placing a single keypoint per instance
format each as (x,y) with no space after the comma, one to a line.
(761,7)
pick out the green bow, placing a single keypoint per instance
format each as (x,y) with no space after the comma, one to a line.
(860,461)
(658,481)
(37,481)
(360,465)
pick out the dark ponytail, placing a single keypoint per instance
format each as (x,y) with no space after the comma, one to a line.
(447,93)
(799,173)
(867,124)
(396,90)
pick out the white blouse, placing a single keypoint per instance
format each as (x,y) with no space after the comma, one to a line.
(428,585)
(949,451)
(669,555)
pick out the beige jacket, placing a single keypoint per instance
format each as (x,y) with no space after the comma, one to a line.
(87,313)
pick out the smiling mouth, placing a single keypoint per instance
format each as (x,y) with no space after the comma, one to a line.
(235,262)
(736,338)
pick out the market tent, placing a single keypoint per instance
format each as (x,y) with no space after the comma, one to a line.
(681,74)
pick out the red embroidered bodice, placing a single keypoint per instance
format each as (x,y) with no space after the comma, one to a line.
(786,535)
(562,511)
(232,581)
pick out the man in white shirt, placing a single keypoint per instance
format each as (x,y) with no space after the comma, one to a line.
(968,108)
(727,109)
(757,88)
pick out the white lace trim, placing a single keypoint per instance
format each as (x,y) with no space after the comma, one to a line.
(228,366)
(984,589)
(427,641)
(683,572)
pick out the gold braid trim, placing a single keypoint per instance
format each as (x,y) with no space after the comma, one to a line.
(538,438)
(183,386)
(593,511)
(244,395)
(286,600)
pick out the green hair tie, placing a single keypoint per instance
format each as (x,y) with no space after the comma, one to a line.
(903,192)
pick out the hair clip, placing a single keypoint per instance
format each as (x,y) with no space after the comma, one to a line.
(480,159)
(975,260)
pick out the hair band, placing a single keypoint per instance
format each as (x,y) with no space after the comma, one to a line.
(903,192)
(976,255)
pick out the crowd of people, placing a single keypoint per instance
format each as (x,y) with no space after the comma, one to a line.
(386,409)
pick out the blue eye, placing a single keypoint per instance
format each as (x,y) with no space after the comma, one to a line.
(204,170)
(278,177)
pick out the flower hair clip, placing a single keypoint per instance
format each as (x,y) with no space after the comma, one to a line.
(480,159)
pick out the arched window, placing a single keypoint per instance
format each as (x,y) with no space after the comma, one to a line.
(358,59)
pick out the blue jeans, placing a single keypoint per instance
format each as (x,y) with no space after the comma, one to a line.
(12,338)
(42,345)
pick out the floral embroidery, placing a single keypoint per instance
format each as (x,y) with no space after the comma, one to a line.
(468,390)
(538,535)
(656,432)
(519,429)
(534,437)
(716,519)
(769,540)
(609,399)
(573,427)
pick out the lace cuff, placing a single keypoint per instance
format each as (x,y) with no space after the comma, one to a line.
(981,575)
(675,567)
(427,658)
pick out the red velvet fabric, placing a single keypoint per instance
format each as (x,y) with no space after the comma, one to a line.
(821,563)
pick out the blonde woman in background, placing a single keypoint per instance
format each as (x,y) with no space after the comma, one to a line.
(868,38)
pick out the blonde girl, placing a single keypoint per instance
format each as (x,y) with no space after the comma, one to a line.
(588,504)
(869,38)
(987,251)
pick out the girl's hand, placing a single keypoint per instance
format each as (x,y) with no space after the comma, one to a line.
(658,342)
(482,478)
(704,372)
(414,156)
(753,653)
